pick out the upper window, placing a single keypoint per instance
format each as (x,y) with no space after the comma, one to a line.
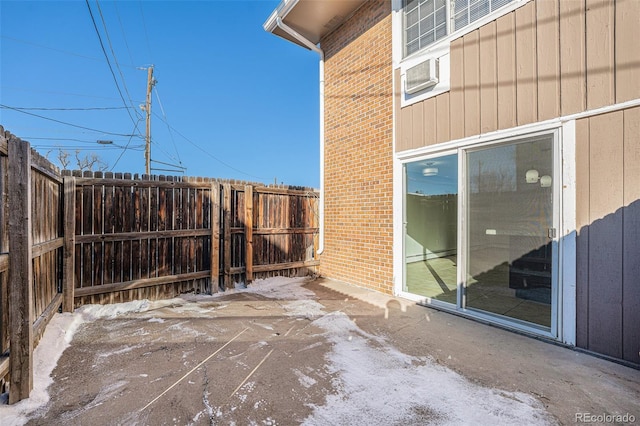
(427,21)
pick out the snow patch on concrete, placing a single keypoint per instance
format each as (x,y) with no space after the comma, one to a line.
(56,338)
(93,312)
(394,388)
(374,382)
(304,380)
(281,288)
(308,309)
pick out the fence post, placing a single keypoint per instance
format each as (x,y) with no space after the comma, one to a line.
(68,257)
(248,231)
(20,271)
(215,237)
(226,187)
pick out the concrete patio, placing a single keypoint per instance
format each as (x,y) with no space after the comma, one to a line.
(297,351)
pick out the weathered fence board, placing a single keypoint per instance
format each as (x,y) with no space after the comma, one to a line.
(248,231)
(80,237)
(20,272)
(226,228)
(31,247)
(47,237)
(4,261)
(132,232)
(69,242)
(215,237)
(135,235)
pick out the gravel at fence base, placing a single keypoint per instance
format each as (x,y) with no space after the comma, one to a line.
(293,352)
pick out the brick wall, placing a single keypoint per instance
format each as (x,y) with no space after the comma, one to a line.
(358,149)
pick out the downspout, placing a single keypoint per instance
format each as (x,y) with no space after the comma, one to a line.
(293,33)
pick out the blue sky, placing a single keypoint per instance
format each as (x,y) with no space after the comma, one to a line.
(241,103)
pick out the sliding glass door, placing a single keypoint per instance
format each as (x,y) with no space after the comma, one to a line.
(506,228)
(431,233)
(509,230)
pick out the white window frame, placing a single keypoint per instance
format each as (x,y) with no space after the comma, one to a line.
(439,50)
(447,25)
(449,19)
(564,330)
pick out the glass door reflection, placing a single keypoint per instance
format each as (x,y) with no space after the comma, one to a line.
(431,233)
(509,215)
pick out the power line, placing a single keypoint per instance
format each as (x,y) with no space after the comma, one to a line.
(146,34)
(104,51)
(30,138)
(135,123)
(53,92)
(126,146)
(68,109)
(95,145)
(84,148)
(50,48)
(69,124)
(124,37)
(208,153)
(115,59)
(168,127)
(169,164)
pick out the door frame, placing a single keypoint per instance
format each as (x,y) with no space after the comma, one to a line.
(555,222)
(564,247)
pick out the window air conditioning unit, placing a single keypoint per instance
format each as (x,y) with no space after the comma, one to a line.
(422,76)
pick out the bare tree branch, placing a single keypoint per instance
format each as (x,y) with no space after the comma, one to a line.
(86,162)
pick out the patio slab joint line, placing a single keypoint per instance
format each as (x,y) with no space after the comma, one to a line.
(256,368)
(193,369)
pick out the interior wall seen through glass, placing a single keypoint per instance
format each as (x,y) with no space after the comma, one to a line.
(509,198)
(431,216)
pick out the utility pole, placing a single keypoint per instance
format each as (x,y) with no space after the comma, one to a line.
(147,153)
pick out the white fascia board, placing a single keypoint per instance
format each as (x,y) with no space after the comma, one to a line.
(281,11)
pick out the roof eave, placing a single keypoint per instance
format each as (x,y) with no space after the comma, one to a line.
(311,19)
(271,24)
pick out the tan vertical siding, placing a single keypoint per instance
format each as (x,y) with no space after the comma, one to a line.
(442,121)
(605,233)
(627,52)
(456,100)
(506,59)
(406,134)
(572,63)
(430,119)
(548,59)
(608,234)
(418,139)
(582,227)
(600,50)
(553,58)
(526,72)
(631,232)
(488,79)
(471,83)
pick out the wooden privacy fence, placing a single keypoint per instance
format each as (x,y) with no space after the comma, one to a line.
(72,238)
(155,237)
(31,251)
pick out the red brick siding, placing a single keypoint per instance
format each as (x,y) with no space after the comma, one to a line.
(358,150)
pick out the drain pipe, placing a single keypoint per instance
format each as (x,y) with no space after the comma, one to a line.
(293,33)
